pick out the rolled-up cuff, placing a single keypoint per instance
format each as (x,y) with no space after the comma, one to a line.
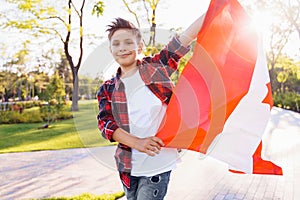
(109,131)
(176,47)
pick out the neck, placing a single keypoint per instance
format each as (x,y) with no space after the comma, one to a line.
(128,71)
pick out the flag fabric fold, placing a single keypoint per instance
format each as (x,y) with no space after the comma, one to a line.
(222,101)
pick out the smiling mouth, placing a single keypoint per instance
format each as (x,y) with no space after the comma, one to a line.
(124,55)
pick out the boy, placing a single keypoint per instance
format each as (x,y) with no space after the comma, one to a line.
(132,105)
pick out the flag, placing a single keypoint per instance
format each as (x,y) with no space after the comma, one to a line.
(222,101)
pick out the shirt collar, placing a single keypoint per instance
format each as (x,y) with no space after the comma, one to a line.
(117,79)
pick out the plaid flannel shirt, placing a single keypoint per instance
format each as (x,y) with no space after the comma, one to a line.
(155,72)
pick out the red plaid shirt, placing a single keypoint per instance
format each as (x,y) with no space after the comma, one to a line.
(155,72)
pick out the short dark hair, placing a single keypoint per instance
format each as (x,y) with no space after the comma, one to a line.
(121,23)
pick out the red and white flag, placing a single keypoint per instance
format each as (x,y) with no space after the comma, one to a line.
(222,101)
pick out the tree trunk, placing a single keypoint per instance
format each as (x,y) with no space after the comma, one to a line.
(75,92)
(152,31)
(272,75)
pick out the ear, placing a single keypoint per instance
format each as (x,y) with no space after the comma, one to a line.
(140,47)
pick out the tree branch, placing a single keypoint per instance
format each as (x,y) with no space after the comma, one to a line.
(132,12)
(81,36)
(75,9)
(57,33)
(60,19)
(147,11)
(67,40)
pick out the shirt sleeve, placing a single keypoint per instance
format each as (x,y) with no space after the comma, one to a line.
(106,123)
(170,55)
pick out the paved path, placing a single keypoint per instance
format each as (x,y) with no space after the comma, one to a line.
(76,171)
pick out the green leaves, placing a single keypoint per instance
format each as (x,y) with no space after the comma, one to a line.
(282,77)
(56,88)
(25,24)
(98,8)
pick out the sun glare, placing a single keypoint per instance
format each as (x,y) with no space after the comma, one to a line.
(262,21)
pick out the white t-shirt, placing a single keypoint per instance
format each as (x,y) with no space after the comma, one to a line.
(145,113)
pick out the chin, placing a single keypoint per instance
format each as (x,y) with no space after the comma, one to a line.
(127,64)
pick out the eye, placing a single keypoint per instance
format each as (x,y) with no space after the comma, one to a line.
(115,44)
(129,42)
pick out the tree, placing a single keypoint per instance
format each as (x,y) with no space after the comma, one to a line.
(150,7)
(281,32)
(56,88)
(89,87)
(39,16)
(291,10)
(285,21)
(8,85)
(287,75)
(41,80)
(286,88)
(64,71)
(11,84)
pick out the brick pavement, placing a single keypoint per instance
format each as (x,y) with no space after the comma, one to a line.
(75,171)
(209,179)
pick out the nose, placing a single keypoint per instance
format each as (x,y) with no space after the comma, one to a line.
(122,47)
(119,48)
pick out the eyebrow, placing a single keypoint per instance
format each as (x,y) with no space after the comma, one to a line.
(121,39)
(126,40)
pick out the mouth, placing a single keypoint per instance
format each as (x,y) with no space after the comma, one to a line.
(124,55)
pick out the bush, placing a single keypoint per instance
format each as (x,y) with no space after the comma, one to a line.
(53,102)
(287,100)
(34,115)
(64,115)
(27,104)
(52,113)
(4,117)
(13,117)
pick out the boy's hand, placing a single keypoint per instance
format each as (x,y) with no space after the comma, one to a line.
(149,145)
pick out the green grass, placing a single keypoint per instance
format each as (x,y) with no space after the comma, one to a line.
(87,196)
(81,131)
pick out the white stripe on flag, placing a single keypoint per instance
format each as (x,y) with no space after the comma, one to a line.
(244,128)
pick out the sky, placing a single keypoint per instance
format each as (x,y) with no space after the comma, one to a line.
(169,14)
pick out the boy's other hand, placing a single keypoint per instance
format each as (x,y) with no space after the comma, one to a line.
(149,145)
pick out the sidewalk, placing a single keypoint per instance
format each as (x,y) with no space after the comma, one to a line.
(76,171)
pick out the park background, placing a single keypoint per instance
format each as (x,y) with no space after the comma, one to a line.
(49,74)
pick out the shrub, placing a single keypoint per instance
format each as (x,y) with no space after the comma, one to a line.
(27,104)
(52,113)
(287,100)
(4,117)
(64,115)
(34,115)
(13,117)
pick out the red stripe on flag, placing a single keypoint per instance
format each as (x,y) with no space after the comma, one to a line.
(268,99)
(261,166)
(214,81)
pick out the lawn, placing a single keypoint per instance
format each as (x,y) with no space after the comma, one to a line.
(87,196)
(81,131)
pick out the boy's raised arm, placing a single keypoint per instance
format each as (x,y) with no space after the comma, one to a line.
(191,32)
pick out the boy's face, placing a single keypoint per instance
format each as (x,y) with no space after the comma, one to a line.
(125,48)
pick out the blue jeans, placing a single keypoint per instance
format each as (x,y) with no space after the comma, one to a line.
(148,188)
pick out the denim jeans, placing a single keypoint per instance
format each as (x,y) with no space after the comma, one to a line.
(148,188)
